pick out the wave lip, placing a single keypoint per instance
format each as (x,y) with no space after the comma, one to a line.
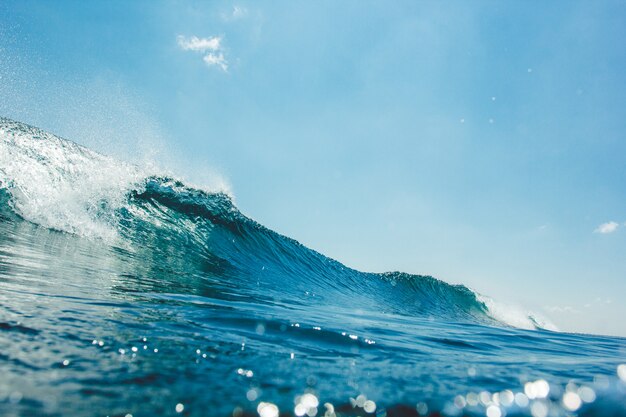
(61,185)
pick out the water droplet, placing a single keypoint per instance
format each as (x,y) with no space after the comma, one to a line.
(571,401)
(493,411)
(267,409)
(369,406)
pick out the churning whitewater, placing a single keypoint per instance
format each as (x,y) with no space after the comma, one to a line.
(126,292)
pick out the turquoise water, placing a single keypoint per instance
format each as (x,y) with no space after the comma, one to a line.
(125,292)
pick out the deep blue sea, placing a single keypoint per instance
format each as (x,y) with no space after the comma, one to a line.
(125,292)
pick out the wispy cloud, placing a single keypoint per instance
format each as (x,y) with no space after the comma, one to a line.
(561,309)
(608,227)
(237,12)
(598,302)
(210,47)
(216,59)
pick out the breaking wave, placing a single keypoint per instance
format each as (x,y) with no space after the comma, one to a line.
(63,186)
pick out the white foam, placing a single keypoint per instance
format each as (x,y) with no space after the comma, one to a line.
(515,316)
(61,185)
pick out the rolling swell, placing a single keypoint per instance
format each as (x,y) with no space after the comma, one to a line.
(176,226)
(248,253)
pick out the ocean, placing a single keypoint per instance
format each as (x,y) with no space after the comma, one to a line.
(125,292)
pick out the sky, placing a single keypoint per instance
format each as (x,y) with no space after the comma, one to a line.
(479,142)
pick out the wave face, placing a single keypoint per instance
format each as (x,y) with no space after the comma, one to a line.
(125,291)
(63,186)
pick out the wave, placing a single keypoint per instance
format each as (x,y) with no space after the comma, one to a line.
(60,185)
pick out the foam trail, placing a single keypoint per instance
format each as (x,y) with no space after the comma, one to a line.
(516,316)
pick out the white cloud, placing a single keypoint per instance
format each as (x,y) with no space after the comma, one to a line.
(199,44)
(608,227)
(210,47)
(216,59)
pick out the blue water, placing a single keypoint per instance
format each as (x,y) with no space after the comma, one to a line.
(126,292)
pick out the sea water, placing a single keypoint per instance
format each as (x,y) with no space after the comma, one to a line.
(128,293)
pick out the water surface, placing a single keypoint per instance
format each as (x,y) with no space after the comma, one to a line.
(128,292)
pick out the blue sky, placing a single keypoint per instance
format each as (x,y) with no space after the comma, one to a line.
(480,142)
